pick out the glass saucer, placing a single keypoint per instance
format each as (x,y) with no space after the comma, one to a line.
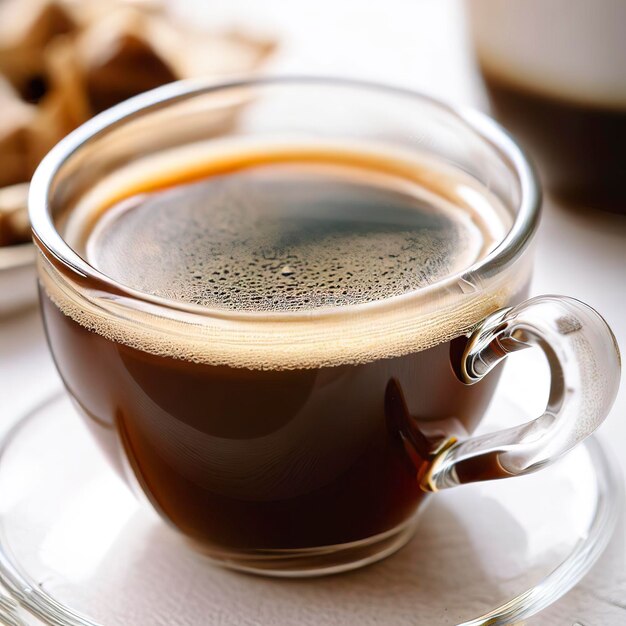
(76,548)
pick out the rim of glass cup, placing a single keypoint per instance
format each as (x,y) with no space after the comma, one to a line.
(47,237)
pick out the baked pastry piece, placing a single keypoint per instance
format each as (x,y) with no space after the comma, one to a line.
(14,226)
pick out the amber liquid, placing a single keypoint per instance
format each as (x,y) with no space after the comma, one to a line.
(580,148)
(270,457)
(349,463)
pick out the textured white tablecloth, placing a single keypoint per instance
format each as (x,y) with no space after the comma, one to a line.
(420,44)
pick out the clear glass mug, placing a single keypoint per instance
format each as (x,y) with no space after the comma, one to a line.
(295,443)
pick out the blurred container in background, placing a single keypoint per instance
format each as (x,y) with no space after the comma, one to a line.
(555,72)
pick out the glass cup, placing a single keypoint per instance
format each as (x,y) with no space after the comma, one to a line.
(296,443)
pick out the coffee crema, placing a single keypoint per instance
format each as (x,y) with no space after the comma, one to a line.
(318,231)
(288,237)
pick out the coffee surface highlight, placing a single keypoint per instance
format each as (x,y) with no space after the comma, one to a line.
(287,237)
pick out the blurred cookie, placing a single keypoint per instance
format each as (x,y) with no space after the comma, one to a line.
(14,226)
(119,60)
(129,51)
(26,28)
(15,123)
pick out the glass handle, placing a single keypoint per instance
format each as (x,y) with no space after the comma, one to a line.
(585,368)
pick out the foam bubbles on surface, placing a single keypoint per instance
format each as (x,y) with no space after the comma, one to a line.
(283,229)
(286,237)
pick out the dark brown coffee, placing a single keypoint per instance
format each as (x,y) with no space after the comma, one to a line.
(267,444)
(580,147)
(241,458)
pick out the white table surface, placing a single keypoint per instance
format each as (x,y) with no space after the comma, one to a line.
(420,44)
